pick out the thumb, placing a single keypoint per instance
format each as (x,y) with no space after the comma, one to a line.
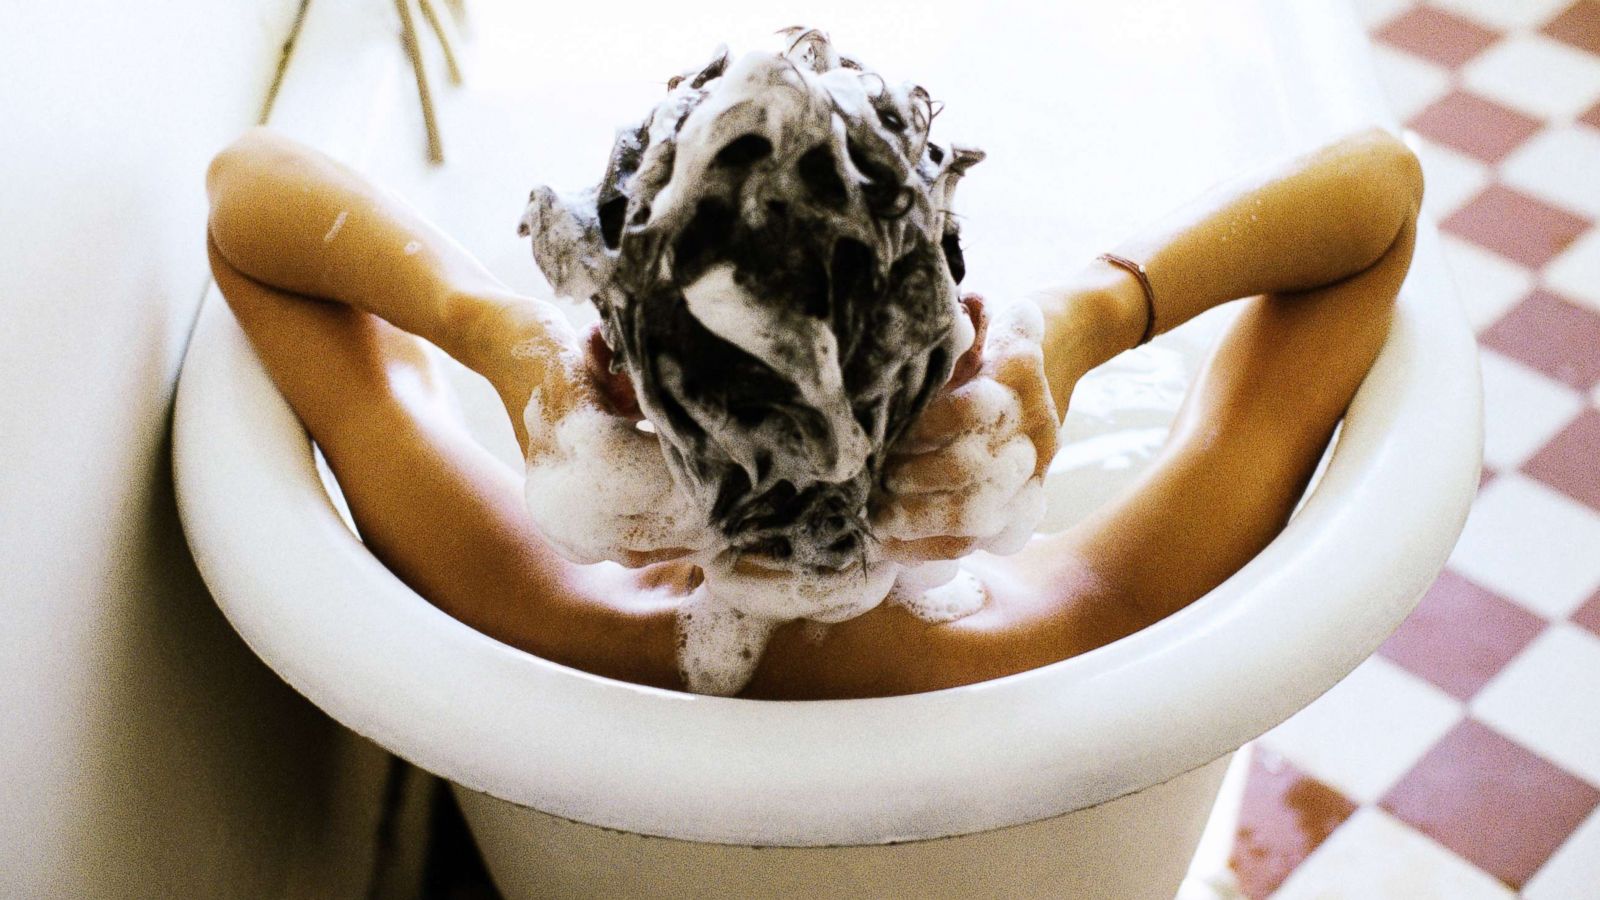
(615,388)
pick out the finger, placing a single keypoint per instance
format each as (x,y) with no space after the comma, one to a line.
(971,360)
(931,549)
(638,559)
(615,388)
(1024,375)
(564,390)
(950,468)
(677,575)
(979,405)
(979,508)
(1017,322)
(1027,508)
(912,517)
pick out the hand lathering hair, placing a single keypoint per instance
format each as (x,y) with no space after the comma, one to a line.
(775,267)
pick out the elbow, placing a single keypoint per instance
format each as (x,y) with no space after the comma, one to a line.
(242,173)
(236,161)
(1387,192)
(1395,169)
(238,181)
(1403,171)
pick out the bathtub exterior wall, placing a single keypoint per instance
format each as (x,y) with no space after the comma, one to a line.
(146,752)
(1153,831)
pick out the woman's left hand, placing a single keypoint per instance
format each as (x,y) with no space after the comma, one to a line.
(968,474)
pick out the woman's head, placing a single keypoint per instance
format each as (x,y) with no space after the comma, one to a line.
(775,268)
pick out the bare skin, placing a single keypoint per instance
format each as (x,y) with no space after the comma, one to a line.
(1315,248)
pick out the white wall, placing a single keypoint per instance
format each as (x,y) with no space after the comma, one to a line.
(144,751)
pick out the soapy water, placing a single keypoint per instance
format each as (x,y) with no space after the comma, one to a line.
(1117,422)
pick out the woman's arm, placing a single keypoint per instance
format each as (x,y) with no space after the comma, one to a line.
(1261,413)
(1244,446)
(1293,227)
(437,508)
(1296,226)
(287,216)
(289,219)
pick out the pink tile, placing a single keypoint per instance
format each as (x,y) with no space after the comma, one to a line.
(1516,226)
(1492,801)
(1547,333)
(1461,635)
(1588,615)
(1578,26)
(1592,117)
(1475,126)
(1285,815)
(1437,35)
(1570,463)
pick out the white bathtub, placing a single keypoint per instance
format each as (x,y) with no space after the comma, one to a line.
(1090,777)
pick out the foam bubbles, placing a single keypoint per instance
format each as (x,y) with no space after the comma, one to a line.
(973,485)
(784,594)
(724,626)
(1027,511)
(719,646)
(598,489)
(956,598)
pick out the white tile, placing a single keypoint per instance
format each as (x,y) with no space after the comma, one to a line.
(1410,82)
(1560,166)
(1506,15)
(1523,409)
(1365,734)
(1548,699)
(1573,870)
(1538,75)
(1576,272)
(1487,283)
(1532,545)
(1450,179)
(1374,13)
(1374,856)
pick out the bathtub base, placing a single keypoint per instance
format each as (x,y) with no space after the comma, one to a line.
(1136,846)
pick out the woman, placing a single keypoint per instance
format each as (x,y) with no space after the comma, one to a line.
(332,281)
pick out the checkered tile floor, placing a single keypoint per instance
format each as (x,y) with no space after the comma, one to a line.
(1463,761)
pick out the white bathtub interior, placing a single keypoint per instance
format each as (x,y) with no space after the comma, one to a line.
(1084,148)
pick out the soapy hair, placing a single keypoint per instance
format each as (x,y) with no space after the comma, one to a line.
(775,267)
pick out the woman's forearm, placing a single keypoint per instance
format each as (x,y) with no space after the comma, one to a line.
(290,217)
(1297,226)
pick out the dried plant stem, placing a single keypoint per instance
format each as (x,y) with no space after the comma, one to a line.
(446,42)
(408,35)
(283,62)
